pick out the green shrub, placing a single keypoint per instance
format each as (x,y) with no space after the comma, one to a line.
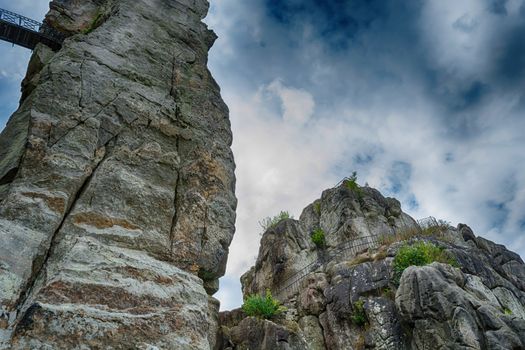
(262,306)
(269,222)
(317,207)
(318,237)
(419,254)
(351,184)
(507,311)
(358,313)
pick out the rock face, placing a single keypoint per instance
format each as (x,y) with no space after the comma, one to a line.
(355,301)
(117,200)
(342,214)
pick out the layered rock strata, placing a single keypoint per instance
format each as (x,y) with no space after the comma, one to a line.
(117,200)
(355,301)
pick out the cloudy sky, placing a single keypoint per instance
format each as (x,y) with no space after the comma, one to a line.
(425,99)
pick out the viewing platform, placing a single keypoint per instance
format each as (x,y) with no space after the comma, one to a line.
(25,32)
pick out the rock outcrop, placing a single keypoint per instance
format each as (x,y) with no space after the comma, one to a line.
(355,301)
(117,200)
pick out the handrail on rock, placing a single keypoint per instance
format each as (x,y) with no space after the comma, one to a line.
(352,246)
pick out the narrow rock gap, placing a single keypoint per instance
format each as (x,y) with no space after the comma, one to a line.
(9,176)
(205,228)
(176,199)
(81,93)
(175,203)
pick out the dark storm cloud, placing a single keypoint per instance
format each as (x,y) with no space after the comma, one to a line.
(336,22)
(361,41)
(372,45)
(497,7)
(508,60)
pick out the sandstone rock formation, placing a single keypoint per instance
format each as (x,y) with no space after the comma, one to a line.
(353,300)
(117,200)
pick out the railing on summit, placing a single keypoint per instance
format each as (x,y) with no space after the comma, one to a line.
(26,32)
(427,222)
(348,249)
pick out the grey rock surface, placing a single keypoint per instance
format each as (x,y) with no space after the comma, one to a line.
(342,214)
(356,301)
(256,334)
(117,200)
(449,308)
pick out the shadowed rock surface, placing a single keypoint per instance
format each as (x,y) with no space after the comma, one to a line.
(117,200)
(354,301)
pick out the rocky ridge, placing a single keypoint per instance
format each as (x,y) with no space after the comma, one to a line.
(117,200)
(353,301)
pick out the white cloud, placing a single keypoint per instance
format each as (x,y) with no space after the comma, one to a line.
(298,105)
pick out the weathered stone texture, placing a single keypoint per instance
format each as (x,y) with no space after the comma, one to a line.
(342,214)
(117,200)
(353,301)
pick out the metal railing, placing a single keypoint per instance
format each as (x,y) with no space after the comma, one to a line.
(427,222)
(45,33)
(348,249)
(345,250)
(20,20)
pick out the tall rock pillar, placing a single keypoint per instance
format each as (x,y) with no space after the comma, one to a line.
(117,200)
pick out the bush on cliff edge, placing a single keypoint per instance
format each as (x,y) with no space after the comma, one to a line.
(270,222)
(419,254)
(262,306)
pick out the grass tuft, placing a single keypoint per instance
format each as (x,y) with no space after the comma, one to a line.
(358,314)
(270,222)
(436,231)
(317,207)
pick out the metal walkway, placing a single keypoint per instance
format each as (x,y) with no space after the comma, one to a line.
(346,250)
(26,32)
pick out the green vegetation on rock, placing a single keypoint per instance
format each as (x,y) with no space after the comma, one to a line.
(419,254)
(317,207)
(262,306)
(437,231)
(351,183)
(318,237)
(94,24)
(270,222)
(358,313)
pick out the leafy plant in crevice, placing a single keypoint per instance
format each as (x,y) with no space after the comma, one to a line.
(388,293)
(270,222)
(507,311)
(358,317)
(419,254)
(351,184)
(260,306)
(318,238)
